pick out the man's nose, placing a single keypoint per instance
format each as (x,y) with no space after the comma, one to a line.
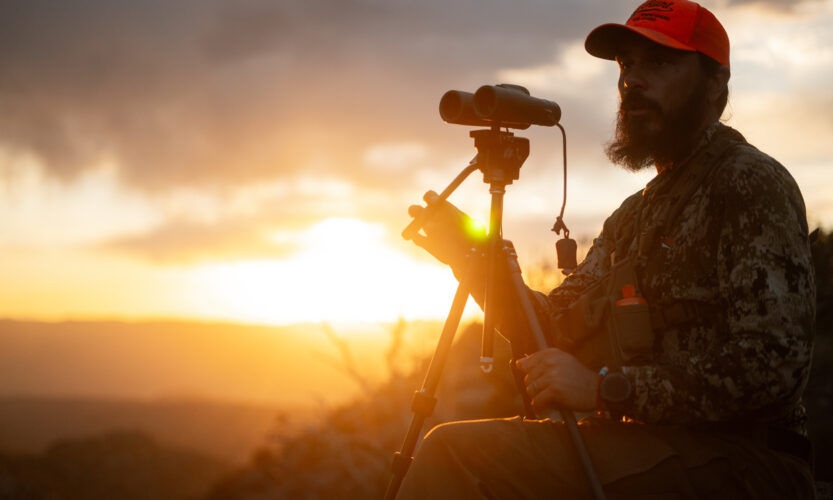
(633,79)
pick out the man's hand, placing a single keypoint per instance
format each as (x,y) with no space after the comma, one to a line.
(557,379)
(450,234)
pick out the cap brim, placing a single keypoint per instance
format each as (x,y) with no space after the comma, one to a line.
(606,40)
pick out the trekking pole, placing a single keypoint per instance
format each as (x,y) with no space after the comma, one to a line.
(540,340)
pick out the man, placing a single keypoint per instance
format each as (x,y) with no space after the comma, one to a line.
(717,242)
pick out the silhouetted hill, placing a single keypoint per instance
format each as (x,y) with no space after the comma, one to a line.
(125,465)
(212,387)
(225,431)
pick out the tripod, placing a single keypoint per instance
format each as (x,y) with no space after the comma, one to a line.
(499,156)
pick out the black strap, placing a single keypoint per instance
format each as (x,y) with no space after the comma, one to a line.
(674,313)
(707,159)
(713,156)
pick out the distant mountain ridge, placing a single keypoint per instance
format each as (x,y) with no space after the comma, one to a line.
(275,365)
(216,388)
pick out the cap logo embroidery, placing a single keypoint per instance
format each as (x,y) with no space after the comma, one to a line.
(652,10)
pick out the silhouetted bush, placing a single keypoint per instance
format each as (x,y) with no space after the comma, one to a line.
(348,453)
(819,393)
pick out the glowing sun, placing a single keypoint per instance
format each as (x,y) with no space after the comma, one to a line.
(344,271)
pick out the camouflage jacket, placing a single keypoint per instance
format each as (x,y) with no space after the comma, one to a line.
(740,246)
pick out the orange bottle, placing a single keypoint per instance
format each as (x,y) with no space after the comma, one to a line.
(629,297)
(634,335)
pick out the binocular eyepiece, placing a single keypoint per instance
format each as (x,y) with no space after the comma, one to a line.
(503,105)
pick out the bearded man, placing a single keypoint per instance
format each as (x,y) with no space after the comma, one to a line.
(707,401)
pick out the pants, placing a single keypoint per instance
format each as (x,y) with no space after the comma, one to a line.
(516,459)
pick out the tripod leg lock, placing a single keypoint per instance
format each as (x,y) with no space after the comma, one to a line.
(423,404)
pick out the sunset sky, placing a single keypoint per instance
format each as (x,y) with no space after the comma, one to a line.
(254,161)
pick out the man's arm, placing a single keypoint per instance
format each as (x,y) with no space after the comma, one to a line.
(595,265)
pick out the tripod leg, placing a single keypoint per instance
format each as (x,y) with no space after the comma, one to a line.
(541,343)
(424,400)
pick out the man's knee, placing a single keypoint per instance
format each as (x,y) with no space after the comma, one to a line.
(442,438)
(464,436)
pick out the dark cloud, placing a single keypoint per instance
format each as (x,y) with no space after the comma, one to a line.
(188,242)
(214,95)
(191,92)
(195,92)
(250,235)
(779,4)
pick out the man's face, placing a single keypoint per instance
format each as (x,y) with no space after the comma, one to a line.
(663,104)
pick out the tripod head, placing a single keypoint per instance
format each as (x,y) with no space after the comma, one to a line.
(500,155)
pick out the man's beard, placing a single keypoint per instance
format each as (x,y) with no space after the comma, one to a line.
(634,148)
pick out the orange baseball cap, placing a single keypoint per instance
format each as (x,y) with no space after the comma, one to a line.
(679,24)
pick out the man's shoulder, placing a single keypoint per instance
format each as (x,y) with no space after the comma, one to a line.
(750,182)
(745,169)
(625,210)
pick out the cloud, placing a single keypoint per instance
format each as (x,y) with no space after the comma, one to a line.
(258,220)
(398,156)
(782,91)
(36,210)
(187,242)
(236,120)
(781,5)
(207,92)
(215,93)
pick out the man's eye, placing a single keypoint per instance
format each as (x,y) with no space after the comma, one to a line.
(659,61)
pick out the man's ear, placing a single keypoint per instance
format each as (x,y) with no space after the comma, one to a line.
(718,83)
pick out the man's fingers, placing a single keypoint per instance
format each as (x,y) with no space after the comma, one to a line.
(532,385)
(430,196)
(431,245)
(537,386)
(556,378)
(543,393)
(420,240)
(525,364)
(539,363)
(534,388)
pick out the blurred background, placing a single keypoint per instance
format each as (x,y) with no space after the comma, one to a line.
(200,208)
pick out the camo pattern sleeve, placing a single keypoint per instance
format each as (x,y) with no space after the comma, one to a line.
(740,246)
(595,264)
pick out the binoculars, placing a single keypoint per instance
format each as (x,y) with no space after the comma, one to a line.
(499,106)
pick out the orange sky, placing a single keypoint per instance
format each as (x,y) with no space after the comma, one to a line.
(254,161)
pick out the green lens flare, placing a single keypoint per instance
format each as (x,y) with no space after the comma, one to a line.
(476,229)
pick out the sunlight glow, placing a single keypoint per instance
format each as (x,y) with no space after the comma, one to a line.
(345,272)
(395,155)
(37,209)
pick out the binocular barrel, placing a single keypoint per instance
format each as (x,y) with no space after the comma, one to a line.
(512,104)
(502,105)
(457,107)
